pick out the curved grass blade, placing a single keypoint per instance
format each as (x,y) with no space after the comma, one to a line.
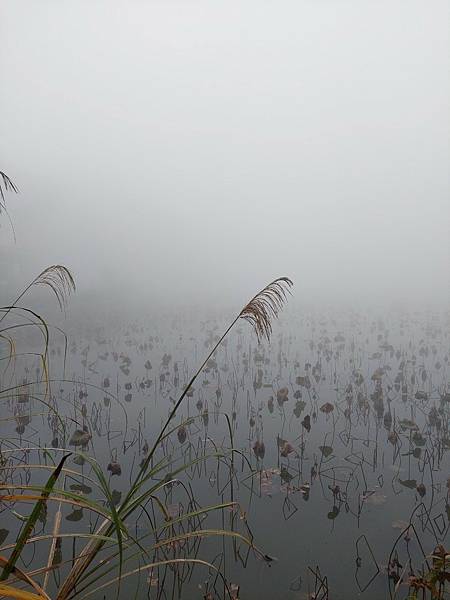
(22,576)
(8,591)
(161,563)
(31,521)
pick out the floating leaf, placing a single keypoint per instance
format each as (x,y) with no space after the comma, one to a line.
(421,490)
(299,407)
(408,424)
(75,515)
(307,423)
(417,452)
(282,395)
(80,438)
(115,468)
(326,451)
(259,449)
(334,513)
(286,449)
(327,408)
(286,477)
(303,381)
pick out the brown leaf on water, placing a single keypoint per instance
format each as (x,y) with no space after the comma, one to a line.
(259,449)
(286,449)
(421,490)
(282,395)
(307,423)
(114,468)
(326,451)
(327,408)
(80,438)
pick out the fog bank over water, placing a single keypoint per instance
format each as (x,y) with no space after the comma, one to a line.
(187,153)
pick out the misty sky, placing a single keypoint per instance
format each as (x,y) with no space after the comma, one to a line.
(204,148)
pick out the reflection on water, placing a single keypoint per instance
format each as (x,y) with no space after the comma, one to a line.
(339,474)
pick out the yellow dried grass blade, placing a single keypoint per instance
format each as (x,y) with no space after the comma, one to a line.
(10,592)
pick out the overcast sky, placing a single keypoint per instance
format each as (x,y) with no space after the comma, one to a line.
(202,148)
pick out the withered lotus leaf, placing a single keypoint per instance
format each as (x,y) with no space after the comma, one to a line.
(327,408)
(182,434)
(259,449)
(114,468)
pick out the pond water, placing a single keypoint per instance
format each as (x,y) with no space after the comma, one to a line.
(339,477)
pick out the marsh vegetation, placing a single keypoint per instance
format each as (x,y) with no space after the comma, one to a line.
(222,457)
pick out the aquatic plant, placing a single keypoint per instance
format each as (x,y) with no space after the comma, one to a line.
(434,580)
(261,309)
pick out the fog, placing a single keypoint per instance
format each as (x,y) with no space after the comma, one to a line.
(190,152)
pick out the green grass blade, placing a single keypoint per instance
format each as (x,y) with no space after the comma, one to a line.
(31,521)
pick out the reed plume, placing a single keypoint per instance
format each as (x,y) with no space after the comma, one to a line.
(6,185)
(59,279)
(259,312)
(265,306)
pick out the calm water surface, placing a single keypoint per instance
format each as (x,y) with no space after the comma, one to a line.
(341,431)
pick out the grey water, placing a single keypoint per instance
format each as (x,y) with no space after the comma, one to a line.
(340,428)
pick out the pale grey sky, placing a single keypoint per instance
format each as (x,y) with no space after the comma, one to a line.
(210,146)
